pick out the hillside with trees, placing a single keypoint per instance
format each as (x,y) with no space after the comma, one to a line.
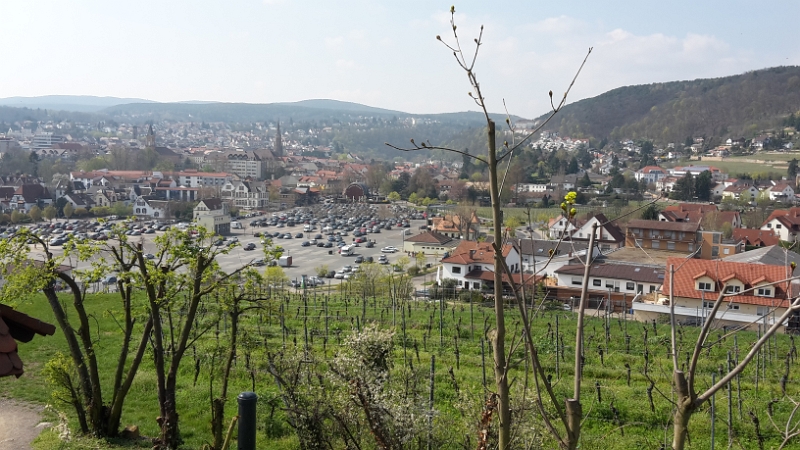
(734,106)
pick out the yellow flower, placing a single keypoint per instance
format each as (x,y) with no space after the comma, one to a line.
(572,212)
(571,197)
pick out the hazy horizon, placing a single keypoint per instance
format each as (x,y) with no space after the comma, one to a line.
(380,55)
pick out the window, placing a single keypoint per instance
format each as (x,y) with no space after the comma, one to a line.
(652,288)
(456,269)
(656,244)
(715,251)
(769,225)
(733,306)
(764,292)
(577,281)
(670,246)
(476,285)
(732,289)
(715,238)
(629,286)
(703,286)
(596,282)
(778,226)
(708,305)
(762,310)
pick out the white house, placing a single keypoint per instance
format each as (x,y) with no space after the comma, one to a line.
(560,226)
(213,214)
(146,208)
(650,174)
(605,277)
(738,191)
(781,191)
(609,235)
(472,264)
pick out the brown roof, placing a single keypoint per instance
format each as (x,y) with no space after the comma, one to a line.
(469,252)
(757,237)
(667,226)
(16,326)
(648,274)
(430,237)
(212,203)
(687,212)
(789,218)
(32,192)
(720,271)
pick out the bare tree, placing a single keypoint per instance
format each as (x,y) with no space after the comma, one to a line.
(492,159)
(689,399)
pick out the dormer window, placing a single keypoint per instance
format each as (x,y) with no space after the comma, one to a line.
(764,292)
(703,286)
(732,289)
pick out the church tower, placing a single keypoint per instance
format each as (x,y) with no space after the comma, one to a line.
(278,150)
(150,142)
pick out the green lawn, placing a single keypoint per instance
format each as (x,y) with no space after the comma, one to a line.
(319,324)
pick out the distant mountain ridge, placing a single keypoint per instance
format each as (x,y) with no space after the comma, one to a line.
(733,106)
(77,103)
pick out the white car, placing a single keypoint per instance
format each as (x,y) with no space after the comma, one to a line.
(389,249)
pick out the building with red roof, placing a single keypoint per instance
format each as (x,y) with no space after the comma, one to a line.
(754,294)
(470,260)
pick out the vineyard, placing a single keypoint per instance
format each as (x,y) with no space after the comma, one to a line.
(342,368)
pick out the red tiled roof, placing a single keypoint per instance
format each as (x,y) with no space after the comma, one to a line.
(788,217)
(761,238)
(469,252)
(719,270)
(488,275)
(429,237)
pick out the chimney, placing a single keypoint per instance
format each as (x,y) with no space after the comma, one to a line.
(471,253)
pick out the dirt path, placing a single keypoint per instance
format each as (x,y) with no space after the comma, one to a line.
(19,424)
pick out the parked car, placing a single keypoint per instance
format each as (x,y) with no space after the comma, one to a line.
(389,249)
(250,246)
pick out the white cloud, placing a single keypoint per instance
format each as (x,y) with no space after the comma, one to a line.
(345,63)
(334,42)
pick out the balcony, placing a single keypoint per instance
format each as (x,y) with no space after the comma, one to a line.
(683,313)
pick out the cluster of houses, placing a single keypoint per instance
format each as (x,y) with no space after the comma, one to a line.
(632,264)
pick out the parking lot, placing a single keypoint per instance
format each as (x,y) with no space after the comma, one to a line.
(325,221)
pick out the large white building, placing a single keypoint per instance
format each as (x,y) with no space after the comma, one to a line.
(213,214)
(472,264)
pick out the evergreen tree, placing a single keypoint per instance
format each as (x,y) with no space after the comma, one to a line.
(684,188)
(792,171)
(702,186)
(573,166)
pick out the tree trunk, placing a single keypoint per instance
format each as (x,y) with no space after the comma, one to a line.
(75,352)
(218,404)
(500,375)
(683,411)
(115,414)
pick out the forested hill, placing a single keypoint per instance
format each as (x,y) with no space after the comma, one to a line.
(735,106)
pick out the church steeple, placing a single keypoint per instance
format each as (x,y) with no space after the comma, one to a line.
(150,142)
(278,151)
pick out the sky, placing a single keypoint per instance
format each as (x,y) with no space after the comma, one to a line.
(381,53)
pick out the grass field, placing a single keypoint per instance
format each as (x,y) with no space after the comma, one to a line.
(317,326)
